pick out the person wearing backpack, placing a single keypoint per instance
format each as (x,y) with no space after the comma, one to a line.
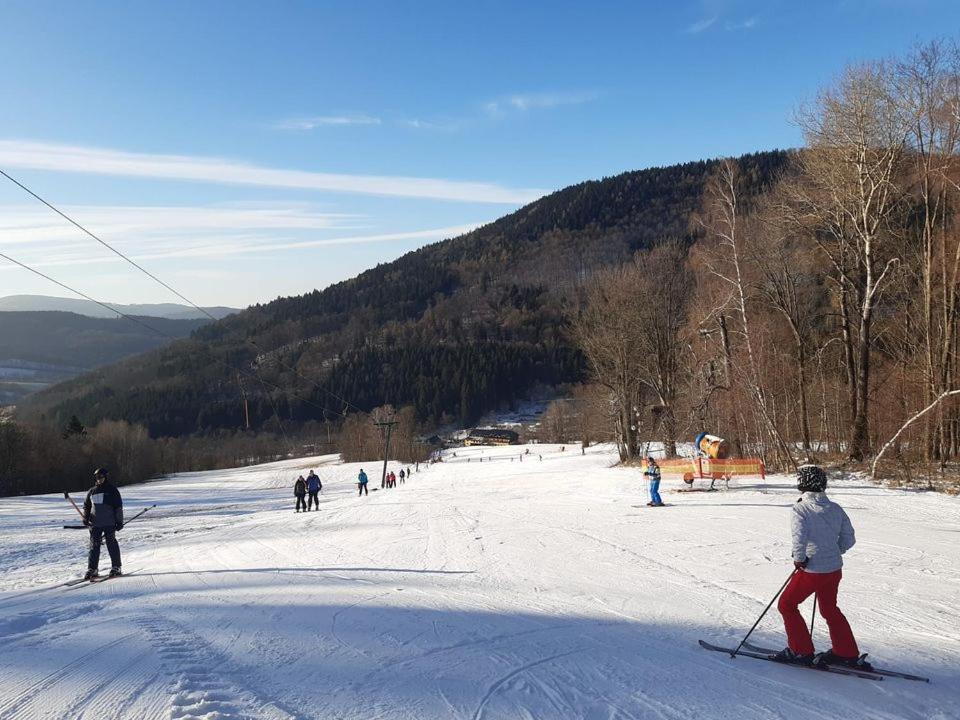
(300,491)
(314,486)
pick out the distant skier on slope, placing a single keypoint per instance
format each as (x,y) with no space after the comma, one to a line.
(314,486)
(403,476)
(300,491)
(653,472)
(103,514)
(362,483)
(821,533)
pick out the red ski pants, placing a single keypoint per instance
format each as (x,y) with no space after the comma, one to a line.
(825,585)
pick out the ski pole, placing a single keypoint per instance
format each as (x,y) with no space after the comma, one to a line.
(138,515)
(734,653)
(82,527)
(813,615)
(79,511)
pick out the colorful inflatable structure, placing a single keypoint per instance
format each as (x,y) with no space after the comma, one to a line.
(711,461)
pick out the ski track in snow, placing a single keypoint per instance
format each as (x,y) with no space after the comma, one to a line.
(476,590)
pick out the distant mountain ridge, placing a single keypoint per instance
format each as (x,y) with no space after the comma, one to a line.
(455,329)
(171,311)
(42,348)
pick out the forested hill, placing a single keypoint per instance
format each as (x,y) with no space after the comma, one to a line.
(455,328)
(40,348)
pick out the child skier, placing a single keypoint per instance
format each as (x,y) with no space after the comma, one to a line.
(821,533)
(300,491)
(653,472)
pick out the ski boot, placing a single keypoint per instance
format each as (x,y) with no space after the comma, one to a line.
(789,656)
(831,658)
(91,574)
(115,572)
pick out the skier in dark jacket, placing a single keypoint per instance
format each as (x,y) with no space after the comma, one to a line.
(653,472)
(103,514)
(300,491)
(403,476)
(821,534)
(314,486)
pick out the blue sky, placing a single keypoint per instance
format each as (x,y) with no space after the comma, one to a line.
(246,150)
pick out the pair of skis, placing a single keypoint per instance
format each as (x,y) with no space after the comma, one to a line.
(761,653)
(91,581)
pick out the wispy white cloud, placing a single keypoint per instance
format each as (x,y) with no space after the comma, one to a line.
(522,102)
(102,161)
(312,123)
(440,125)
(733,25)
(701,25)
(158,233)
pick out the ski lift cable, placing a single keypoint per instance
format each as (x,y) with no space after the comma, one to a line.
(153,277)
(149,327)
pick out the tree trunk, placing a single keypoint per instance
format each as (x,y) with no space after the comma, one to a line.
(860,434)
(850,365)
(802,390)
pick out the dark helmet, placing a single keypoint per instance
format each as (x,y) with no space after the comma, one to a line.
(100,472)
(811,478)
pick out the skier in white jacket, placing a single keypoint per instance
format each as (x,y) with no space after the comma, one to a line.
(821,533)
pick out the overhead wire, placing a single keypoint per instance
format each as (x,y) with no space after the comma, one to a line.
(140,322)
(152,276)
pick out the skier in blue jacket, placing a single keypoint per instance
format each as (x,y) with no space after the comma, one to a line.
(314,486)
(653,472)
(362,483)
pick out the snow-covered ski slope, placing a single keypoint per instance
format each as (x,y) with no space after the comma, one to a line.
(501,589)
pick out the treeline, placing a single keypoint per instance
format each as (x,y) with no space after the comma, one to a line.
(819,318)
(42,459)
(364,436)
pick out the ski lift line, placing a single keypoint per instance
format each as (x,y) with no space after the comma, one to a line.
(107,245)
(153,277)
(119,313)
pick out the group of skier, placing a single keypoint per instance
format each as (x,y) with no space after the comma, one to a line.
(390,479)
(302,487)
(821,532)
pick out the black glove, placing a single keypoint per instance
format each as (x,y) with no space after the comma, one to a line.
(119,527)
(800,564)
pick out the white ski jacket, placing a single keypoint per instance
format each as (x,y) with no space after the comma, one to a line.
(821,533)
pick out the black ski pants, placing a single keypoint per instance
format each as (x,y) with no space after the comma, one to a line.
(313,500)
(363,489)
(96,539)
(301,503)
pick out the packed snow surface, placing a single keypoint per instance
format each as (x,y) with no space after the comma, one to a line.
(494,589)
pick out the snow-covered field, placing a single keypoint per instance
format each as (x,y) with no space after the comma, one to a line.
(495,589)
